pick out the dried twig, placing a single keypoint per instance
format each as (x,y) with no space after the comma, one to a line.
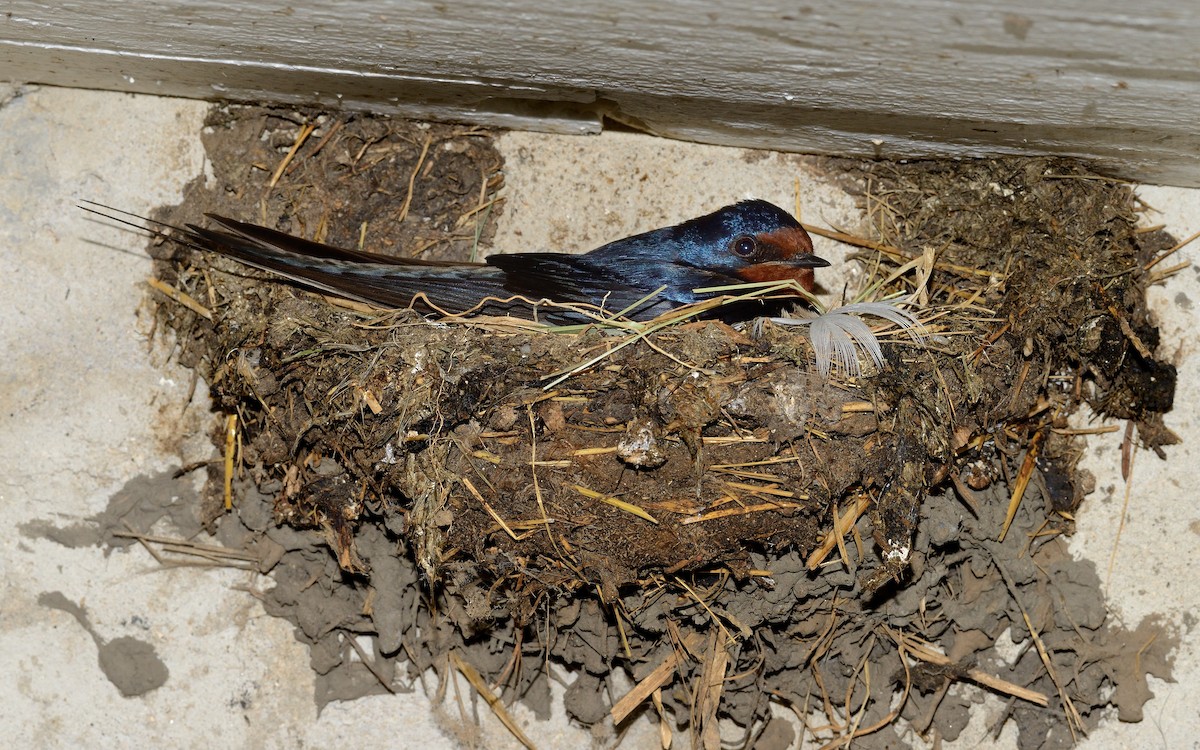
(182,298)
(1022,481)
(487,506)
(927,652)
(841,525)
(305,132)
(706,698)
(658,677)
(412,180)
(490,698)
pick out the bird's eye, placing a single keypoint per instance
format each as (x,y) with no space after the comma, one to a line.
(744,246)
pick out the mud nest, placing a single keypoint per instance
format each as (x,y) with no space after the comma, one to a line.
(699,509)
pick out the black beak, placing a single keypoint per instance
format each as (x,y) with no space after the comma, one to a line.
(806,260)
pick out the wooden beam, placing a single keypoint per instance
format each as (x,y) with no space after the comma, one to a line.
(1104,80)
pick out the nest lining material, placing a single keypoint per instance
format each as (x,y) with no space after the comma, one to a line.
(702,495)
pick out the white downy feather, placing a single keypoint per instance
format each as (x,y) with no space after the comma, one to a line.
(837,334)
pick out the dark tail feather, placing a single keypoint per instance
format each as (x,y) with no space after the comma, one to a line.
(367,277)
(387,282)
(177,234)
(273,238)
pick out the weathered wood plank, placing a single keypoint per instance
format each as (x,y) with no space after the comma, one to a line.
(1100,79)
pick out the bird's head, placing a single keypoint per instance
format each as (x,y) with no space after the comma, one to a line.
(750,241)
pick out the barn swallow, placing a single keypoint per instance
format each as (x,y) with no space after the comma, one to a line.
(750,241)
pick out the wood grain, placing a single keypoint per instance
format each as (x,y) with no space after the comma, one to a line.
(1105,80)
